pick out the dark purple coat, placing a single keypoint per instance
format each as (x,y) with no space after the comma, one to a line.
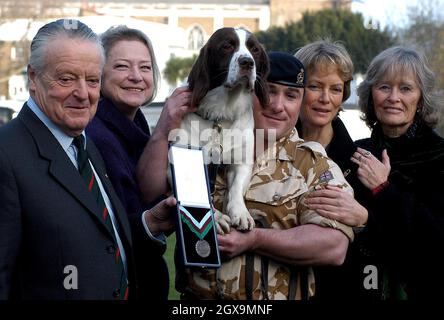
(121,143)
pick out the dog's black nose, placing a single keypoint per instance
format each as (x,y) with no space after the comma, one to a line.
(246,62)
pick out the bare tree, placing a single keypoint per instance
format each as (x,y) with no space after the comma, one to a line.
(426,33)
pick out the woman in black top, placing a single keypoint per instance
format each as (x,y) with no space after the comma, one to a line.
(402,167)
(329,72)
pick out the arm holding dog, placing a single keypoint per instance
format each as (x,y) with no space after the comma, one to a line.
(153,164)
(305,245)
(313,240)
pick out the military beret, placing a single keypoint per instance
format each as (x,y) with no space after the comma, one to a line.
(286,69)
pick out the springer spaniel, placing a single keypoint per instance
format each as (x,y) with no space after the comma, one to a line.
(230,68)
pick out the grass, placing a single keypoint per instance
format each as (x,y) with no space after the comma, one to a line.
(169,257)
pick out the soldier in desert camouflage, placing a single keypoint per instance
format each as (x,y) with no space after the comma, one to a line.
(273,261)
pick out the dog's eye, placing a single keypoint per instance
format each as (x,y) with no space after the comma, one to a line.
(254,49)
(227,46)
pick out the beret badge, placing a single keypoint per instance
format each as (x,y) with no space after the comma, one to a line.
(300,77)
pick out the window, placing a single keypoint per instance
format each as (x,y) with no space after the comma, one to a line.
(17,53)
(195,38)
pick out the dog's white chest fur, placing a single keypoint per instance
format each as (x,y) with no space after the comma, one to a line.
(231,143)
(224,125)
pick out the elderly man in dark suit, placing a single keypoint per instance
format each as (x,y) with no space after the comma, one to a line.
(63,232)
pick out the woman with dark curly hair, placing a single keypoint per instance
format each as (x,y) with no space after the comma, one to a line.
(401,164)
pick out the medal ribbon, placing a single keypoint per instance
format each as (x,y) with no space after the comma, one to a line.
(200,229)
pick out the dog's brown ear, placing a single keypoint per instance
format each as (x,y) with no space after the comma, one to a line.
(261,90)
(262,63)
(199,79)
(262,71)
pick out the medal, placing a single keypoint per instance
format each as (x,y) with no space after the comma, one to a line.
(199,228)
(203,248)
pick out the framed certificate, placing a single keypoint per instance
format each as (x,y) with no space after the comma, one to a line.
(196,229)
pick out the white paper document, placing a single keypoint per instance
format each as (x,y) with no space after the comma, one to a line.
(189,176)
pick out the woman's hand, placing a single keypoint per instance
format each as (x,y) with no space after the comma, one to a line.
(371,172)
(174,110)
(334,203)
(152,168)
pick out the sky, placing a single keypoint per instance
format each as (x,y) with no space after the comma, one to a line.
(391,12)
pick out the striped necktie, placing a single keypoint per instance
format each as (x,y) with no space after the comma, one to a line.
(87,173)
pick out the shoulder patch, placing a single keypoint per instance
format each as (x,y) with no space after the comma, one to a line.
(326,177)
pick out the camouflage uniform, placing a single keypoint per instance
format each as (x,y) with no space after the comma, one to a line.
(282,176)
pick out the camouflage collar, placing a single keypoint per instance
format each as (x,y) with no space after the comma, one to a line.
(284,149)
(286,146)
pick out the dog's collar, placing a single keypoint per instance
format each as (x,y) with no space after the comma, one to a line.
(217,124)
(216,138)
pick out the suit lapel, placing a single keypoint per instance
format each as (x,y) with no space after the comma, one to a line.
(60,166)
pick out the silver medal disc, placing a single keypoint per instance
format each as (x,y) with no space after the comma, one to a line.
(203,248)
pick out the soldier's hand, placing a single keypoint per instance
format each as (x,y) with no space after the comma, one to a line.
(236,242)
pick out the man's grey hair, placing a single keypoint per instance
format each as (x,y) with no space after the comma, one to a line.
(51,31)
(123,33)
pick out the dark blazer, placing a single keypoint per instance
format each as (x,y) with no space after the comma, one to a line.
(48,221)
